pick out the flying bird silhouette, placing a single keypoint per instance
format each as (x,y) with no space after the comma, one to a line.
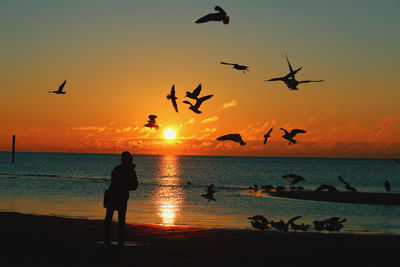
(60,89)
(290,79)
(195,93)
(267,135)
(195,107)
(294,177)
(259,222)
(210,193)
(232,137)
(289,136)
(220,16)
(171,96)
(151,123)
(237,66)
(347,185)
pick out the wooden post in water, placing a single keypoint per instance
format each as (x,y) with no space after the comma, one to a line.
(13,149)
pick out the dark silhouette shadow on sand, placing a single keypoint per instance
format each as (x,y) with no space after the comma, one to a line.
(290,79)
(151,123)
(289,136)
(123,179)
(60,89)
(232,137)
(220,16)
(237,66)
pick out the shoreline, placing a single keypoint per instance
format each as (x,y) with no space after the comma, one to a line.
(32,240)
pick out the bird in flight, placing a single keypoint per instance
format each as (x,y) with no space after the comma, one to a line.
(60,89)
(195,93)
(289,136)
(294,177)
(210,193)
(220,16)
(290,79)
(232,137)
(171,96)
(267,135)
(151,123)
(199,101)
(237,66)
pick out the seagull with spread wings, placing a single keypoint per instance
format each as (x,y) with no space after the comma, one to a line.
(290,79)
(195,107)
(171,96)
(237,66)
(195,93)
(267,135)
(232,137)
(151,123)
(289,136)
(220,16)
(60,89)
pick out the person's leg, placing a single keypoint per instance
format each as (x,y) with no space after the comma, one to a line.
(107,226)
(121,224)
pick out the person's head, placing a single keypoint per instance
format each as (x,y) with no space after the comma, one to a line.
(126,158)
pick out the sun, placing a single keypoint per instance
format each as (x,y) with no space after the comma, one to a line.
(169,134)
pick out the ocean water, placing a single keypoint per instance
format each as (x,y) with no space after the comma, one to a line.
(72,185)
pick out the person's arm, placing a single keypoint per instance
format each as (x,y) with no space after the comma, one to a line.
(133,181)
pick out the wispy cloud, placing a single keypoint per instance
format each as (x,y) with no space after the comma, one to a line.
(229,104)
(211,119)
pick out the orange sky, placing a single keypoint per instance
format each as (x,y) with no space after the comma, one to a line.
(120,63)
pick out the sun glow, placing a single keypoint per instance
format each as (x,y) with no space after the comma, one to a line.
(169,134)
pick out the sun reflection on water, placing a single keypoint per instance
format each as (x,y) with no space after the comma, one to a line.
(169,196)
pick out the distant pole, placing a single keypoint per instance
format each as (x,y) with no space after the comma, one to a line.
(13,149)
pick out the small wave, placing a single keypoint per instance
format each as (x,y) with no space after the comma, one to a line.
(19,175)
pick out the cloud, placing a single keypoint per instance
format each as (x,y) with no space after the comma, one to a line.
(229,105)
(388,120)
(191,121)
(211,119)
(210,130)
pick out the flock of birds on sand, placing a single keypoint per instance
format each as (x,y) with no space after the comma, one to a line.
(289,79)
(258,221)
(333,224)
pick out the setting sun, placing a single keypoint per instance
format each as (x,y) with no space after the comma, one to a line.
(169,134)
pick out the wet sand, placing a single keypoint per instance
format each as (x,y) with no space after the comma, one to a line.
(32,240)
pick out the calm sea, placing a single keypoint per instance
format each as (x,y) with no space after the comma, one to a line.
(72,185)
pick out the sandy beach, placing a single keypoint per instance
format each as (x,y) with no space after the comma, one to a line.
(33,240)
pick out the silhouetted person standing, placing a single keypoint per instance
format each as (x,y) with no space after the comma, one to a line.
(123,179)
(387,186)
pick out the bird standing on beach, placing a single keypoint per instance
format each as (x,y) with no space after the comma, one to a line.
(290,79)
(387,186)
(171,96)
(195,107)
(60,89)
(267,135)
(347,185)
(220,16)
(232,137)
(289,136)
(237,66)
(259,222)
(151,123)
(294,177)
